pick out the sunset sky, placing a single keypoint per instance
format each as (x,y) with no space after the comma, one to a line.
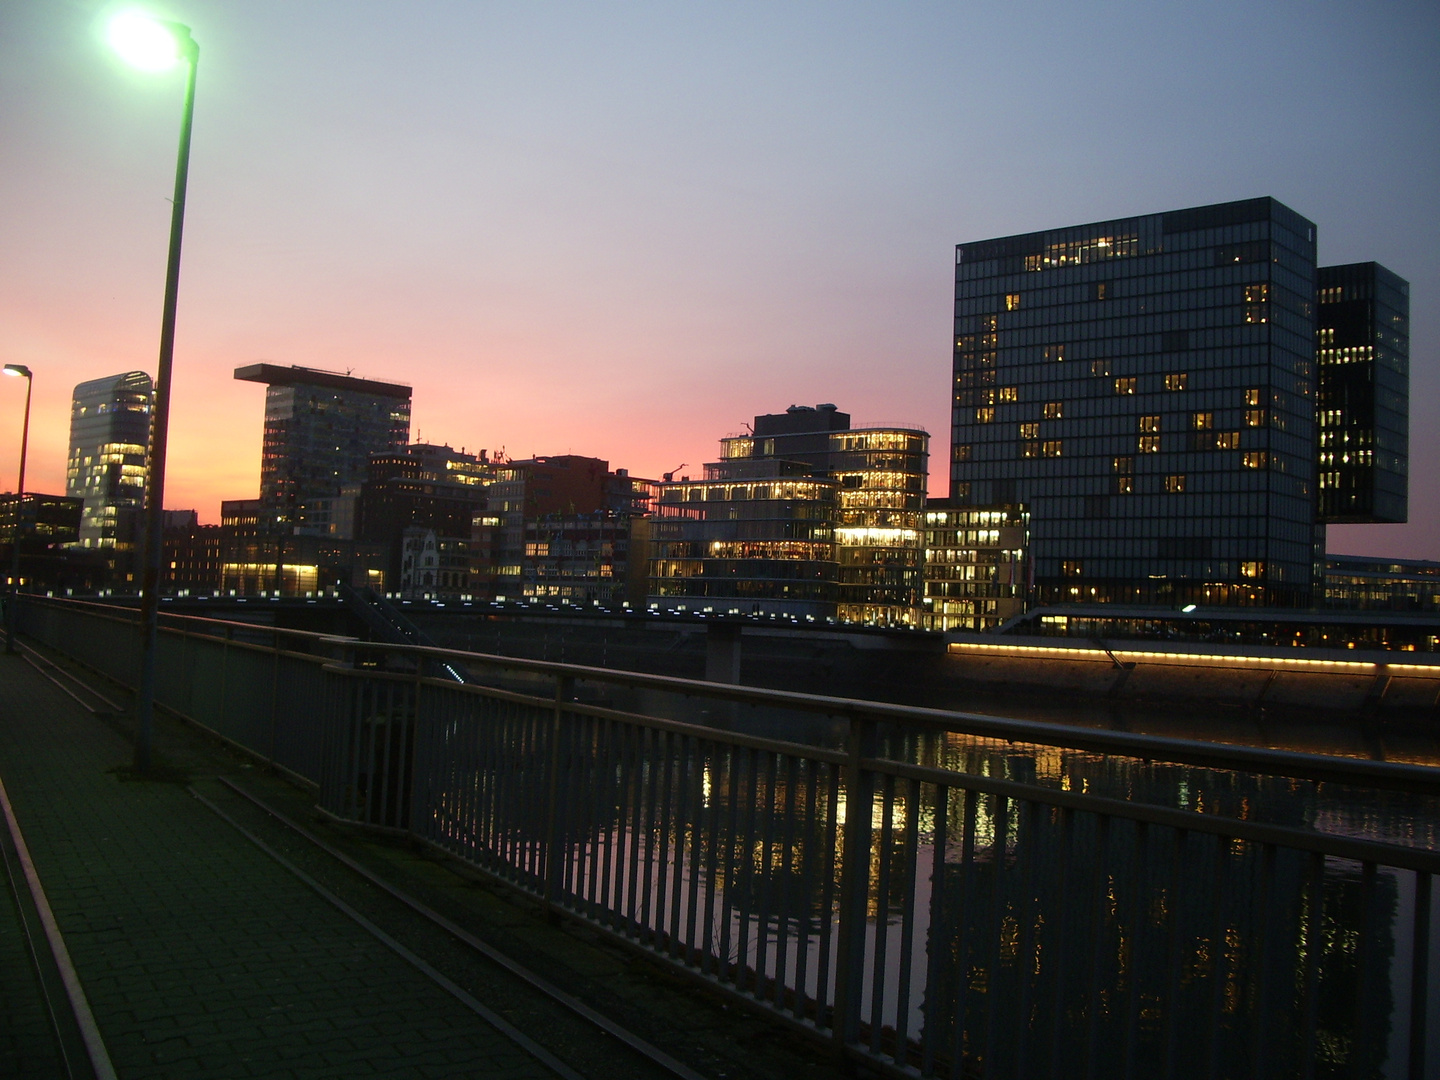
(624,229)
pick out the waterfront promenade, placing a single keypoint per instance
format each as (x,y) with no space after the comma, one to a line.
(201,956)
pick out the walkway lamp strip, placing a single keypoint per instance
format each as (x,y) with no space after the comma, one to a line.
(79,1004)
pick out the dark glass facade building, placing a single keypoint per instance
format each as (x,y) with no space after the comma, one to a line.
(320,430)
(1146,388)
(1363,354)
(109,440)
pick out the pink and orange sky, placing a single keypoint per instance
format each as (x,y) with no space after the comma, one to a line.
(624,229)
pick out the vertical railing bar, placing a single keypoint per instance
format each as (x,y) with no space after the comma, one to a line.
(999,849)
(719,777)
(662,816)
(882,911)
(1026,812)
(701,841)
(959,1047)
(606,807)
(1215,1051)
(1363,963)
(1420,975)
(738,759)
(935,932)
(554,849)
(1259,1049)
(769,876)
(1171,1008)
(824,998)
(645,818)
(1099,894)
(1139,882)
(784,894)
(854,883)
(1314,891)
(624,802)
(749,810)
(1060,974)
(684,828)
(911,848)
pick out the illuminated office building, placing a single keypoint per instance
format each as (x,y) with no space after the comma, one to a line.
(320,429)
(976,573)
(1363,352)
(109,440)
(1146,388)
(874,539)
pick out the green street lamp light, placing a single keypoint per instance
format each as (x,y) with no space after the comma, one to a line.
(154,45)
(23,372)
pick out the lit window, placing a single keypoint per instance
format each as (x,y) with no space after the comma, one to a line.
(1030,448)
(1256,301)
(1009,393)
(1054,410)
(984,416)
(987,397)
(1202,421)
(1125,386)
(1072,568)
(1029,431)
(1124,485)
(1175,382)
(1100,289)
(1100,367)
(1124,464)
(1257,294)
(1175,483)
(962,452)
(1149,444)
(1052,448)
(1252,396)
(1227,440)
(1012,301)
(1150,423)
(1054,352)
(1252,568)
(1255,418)
(1254,459)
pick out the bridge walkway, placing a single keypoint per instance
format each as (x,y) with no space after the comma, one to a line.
(201,956)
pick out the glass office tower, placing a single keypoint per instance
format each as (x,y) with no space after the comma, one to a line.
(1363,351)
(109,440)
(320,429)
(1146,387)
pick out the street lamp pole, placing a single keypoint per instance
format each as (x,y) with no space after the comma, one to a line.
(187,50)
(23,372)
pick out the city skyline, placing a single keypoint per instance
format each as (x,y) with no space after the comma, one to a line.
(616,232)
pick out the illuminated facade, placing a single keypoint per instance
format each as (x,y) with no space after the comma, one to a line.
(109,437)
(880,473)
(832,522)
(320,430)
(1363,353)
(976,570)
(752,538)
(1146,387)
(1365,583)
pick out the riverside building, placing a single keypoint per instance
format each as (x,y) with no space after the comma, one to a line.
(1146,388)
(1363,351)
(109,441)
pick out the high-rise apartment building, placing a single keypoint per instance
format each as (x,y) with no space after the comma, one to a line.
(1146,388)
(320,429)
(109,440)
(1363,351)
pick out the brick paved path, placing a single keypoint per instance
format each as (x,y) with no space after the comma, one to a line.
(200,956)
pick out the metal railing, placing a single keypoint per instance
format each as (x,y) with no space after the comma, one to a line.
(906,883)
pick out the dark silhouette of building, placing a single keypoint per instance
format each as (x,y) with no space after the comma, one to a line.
(1363,351)
(320,429)
(50,559)
(1146,387)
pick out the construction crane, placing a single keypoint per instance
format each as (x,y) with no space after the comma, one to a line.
(670,476)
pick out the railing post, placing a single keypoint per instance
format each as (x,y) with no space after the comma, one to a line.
(274,692)
(554,847)
(854,883)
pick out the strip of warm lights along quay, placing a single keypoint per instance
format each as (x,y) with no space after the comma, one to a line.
(1206,658)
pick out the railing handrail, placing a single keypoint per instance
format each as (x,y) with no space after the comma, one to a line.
(112,612)
(1320,768)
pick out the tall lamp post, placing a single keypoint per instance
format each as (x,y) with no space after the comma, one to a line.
(20,371)
(154,45)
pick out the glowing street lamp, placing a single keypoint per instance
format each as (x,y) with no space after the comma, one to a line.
(154,45)
(23,372)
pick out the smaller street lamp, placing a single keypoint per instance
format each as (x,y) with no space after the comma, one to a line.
(19,371)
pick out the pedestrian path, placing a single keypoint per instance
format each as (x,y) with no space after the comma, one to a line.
(199,956)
